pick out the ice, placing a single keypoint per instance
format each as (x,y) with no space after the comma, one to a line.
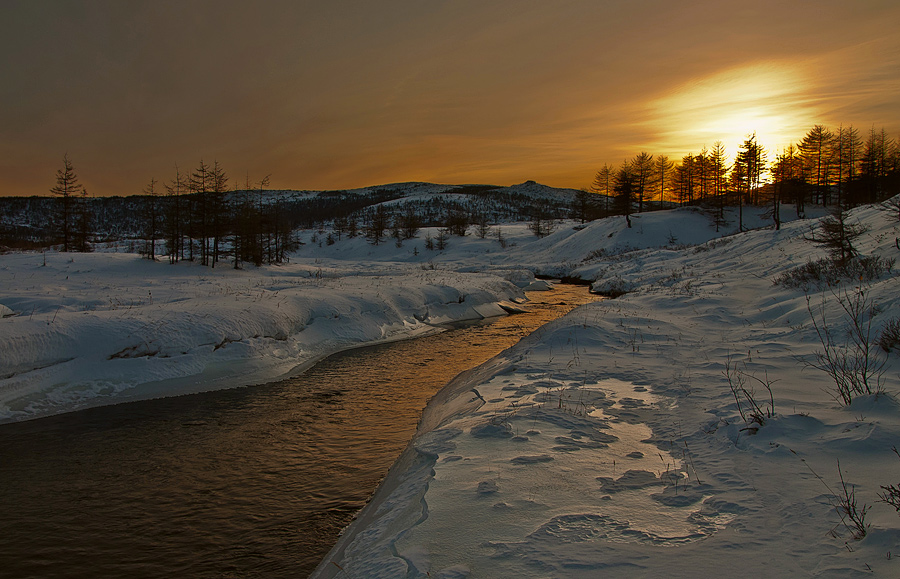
(608,443)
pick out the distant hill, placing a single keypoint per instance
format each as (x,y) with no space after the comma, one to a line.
(25,220)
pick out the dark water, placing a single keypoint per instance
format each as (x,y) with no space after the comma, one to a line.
(250,482)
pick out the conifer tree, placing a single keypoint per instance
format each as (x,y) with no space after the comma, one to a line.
(815,153)
(176,215)
(836,234)
(218,209)
(200,183)
(67,189)
(624,189)
(151,219)
(603,184)
(83,222)
(642,172)
(718,169)
(663,169)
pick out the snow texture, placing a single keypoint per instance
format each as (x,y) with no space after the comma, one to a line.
(609,443)
(606,443)
(94,329)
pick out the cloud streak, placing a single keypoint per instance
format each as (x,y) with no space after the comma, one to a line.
(353,93)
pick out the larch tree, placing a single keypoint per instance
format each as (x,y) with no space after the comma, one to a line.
(704,175)
(603,184)
(200,183)
(837,235)
(787,184)
(67,189)
(176,216)
(663,169)
(846,148)
(624,190)
(878,160)
(815,152)
(83,222)
(718,167)
(747,174)
(685,179)
(642,171)
(218,209)
(152,220)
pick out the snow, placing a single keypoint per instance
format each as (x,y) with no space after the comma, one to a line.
(103,328)
(606,443)
(609,442)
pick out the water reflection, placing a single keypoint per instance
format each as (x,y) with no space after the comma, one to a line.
(245,482)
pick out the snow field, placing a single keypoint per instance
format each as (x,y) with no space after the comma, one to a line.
(512,472)
(608,442)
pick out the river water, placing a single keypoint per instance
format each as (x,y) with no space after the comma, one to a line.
(248,482)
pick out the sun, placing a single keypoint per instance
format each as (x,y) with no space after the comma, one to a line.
(769,99)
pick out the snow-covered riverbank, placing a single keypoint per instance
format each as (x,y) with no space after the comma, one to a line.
(610,442)
(93,329)
(82,330)
(620,439)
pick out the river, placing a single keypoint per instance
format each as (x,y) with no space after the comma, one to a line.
(248,482)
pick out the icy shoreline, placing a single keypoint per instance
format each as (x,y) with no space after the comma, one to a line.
(96,329)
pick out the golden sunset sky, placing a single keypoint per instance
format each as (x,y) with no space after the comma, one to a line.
(348,93)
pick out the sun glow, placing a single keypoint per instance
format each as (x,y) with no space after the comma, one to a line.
(770,99)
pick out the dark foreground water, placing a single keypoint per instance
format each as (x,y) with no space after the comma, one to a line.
(250,482)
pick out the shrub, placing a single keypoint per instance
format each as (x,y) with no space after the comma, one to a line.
(752,412)
(854,363)
(852,515)
(889,338)
(891,494)
(827,272)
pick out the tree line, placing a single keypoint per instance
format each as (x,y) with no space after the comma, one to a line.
(825,167)
(197,216)
(193,216)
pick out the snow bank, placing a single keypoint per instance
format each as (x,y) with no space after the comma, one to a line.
(610,443)
(104,328)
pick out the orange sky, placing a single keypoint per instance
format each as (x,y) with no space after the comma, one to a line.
(349,93)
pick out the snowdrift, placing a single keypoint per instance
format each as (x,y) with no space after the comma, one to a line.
(95,329)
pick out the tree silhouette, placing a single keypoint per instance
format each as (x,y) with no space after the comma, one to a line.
(815,153)
(67,189)
(152,219)
(624,190)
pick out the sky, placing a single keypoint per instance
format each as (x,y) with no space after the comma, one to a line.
(349,93)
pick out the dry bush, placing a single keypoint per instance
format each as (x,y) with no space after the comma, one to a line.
(889,338)
(828,272)
(854,363)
